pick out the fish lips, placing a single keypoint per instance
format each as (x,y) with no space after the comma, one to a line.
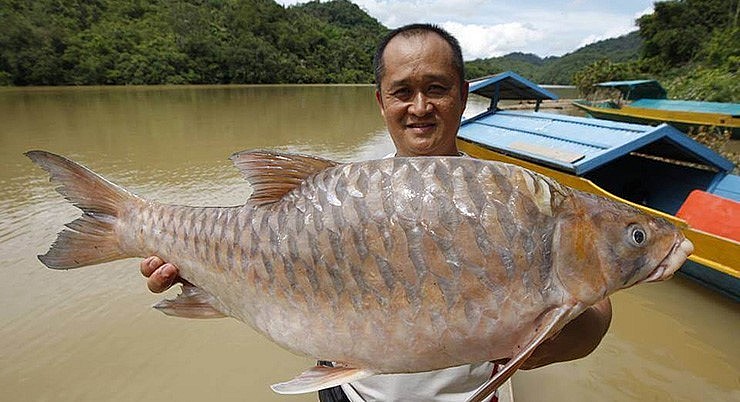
(681,249)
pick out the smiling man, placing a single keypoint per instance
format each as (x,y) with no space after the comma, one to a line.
(422,94)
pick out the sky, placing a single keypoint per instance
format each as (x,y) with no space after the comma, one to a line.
(496,27)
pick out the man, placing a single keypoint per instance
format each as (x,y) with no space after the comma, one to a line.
(421,92)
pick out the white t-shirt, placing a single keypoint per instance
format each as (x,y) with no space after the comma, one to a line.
(452,384)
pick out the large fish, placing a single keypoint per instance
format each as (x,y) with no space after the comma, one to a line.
(386,266)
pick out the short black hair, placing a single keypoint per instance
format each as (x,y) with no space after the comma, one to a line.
(418,29)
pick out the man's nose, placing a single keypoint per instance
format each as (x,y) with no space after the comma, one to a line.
(420,105)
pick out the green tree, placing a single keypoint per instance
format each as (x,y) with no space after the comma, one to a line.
(677,30)
(81,42)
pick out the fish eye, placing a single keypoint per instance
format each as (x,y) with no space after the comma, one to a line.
(637,235)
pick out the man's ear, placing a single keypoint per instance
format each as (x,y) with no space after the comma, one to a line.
(464,90)
(379,99)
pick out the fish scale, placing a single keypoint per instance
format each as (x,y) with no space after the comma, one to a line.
(388,266)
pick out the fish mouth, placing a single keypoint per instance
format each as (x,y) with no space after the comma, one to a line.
(681,250)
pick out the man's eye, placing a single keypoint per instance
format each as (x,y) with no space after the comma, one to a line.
(401,93)
(437,90)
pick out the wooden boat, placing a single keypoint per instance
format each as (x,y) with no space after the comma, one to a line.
(644,102)
(655,169)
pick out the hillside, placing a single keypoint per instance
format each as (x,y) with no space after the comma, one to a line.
(124,42)
(559,70)
(133,42)
(691,46)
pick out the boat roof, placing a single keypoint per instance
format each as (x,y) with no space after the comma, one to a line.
(732,109)
(728,187)
(509,86)
(637,89)
(579,145)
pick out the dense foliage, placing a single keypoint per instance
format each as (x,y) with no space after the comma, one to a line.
(676,32)
(691,46)
(85,42)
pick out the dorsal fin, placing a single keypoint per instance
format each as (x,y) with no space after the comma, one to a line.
(272,174)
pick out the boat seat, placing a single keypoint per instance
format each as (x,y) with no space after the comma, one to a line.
(712,214)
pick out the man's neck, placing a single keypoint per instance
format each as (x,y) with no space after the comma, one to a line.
(456,153)
(450,152)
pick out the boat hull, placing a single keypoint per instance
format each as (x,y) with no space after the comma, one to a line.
(682,120)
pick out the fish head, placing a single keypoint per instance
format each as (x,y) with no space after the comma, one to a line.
(601,246)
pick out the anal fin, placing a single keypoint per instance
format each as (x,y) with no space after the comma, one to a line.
(193,302)
(320,377)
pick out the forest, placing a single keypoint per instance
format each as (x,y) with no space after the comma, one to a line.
(692,46)
(134,42)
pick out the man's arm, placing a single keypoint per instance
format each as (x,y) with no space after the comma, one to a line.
(576,340)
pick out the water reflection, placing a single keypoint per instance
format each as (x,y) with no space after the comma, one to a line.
(90,335)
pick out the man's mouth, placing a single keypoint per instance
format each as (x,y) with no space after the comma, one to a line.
(421,125)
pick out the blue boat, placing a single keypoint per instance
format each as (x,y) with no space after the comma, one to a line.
(658,169)
(644,101)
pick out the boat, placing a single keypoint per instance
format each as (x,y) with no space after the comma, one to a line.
(644,102)
(656,169)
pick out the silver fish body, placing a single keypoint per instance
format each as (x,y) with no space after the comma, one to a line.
(395,265)
(425,276)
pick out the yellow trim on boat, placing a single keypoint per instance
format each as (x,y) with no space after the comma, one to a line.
(685,117)
(657,115)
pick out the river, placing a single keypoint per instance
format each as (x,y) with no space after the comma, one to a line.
(90,334)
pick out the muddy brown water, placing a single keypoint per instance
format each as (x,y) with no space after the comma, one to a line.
(90,334)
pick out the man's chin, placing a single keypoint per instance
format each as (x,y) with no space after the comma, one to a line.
(423,150)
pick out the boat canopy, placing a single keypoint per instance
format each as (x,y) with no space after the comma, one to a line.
(578,145)
(637,89)
(509,86)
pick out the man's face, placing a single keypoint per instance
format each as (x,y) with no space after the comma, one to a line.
(420,96)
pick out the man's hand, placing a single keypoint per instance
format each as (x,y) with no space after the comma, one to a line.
(576,340)
(161,275)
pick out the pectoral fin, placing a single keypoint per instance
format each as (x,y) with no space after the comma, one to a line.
(193,302)
(549,323)
(320,377)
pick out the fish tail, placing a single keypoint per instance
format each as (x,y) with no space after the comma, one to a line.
(91,238)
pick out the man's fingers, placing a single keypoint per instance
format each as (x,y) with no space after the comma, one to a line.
(161,275)
(161,279)
(149,265)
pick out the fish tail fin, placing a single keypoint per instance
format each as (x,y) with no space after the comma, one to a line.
(91,238)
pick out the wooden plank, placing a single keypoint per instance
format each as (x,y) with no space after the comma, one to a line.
(552,153)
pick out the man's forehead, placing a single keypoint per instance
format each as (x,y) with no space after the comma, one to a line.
(415,40)
(426,53)
(403,79)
